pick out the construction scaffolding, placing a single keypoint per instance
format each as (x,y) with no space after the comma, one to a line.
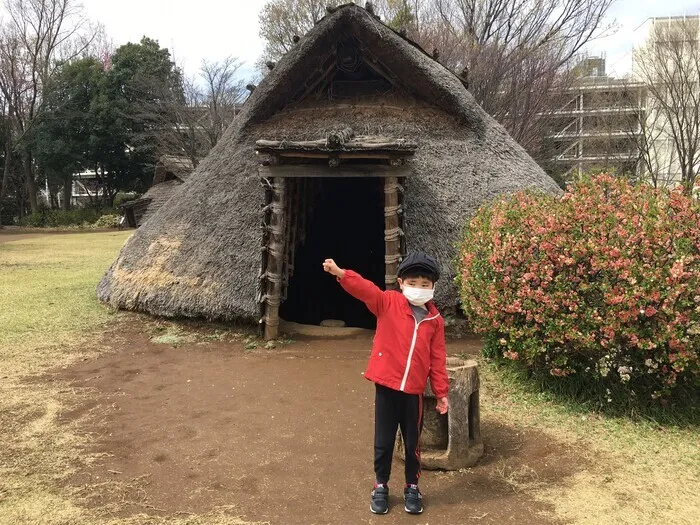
(599,125)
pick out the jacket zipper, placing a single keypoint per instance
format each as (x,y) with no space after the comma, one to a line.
(413,346)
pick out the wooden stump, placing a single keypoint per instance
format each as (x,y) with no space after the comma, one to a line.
(451,441)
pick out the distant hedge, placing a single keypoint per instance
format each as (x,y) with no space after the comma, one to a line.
(599,289)
(9,210)
(77,217)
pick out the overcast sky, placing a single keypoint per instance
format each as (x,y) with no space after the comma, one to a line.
(214,29)
(193,29)
(629,15)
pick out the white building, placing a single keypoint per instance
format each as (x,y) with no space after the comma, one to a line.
(85,189)
(666,53)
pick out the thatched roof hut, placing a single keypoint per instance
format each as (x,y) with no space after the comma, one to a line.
(170,171)
(357,145)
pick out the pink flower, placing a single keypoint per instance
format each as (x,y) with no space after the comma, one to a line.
(616,299)
(677,269)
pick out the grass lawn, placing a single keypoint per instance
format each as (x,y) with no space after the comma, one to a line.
(637,472)
(48,286)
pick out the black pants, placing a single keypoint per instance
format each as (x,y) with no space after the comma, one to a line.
(393,409)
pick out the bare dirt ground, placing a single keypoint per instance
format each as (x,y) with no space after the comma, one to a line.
(10,233)
(285,435)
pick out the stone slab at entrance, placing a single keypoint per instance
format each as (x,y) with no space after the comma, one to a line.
(451,441)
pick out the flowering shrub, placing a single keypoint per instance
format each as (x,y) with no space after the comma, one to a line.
(601,285)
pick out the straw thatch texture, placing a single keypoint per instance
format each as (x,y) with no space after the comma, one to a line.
(200,255)
(150,202)
(180,167)
(170,172)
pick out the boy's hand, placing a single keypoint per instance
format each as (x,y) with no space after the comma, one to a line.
(442,405)
(332,268)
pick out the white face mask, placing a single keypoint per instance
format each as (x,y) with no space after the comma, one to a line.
(418,296)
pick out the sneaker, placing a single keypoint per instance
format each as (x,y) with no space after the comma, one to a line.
(413,499)
(379,502)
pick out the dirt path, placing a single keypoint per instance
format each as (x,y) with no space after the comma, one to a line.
(284,435)
(9,236)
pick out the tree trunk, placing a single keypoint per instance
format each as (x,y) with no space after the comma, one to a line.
(6,171)
(30,183)
(67,192)
(20,205)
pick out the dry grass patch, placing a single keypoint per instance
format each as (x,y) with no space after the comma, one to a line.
(636,472)
(522,478)
(49,284)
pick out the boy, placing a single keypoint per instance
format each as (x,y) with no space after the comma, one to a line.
(408,347)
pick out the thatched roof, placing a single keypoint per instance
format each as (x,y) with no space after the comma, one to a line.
(170,171)
(179,167)
(200,255)
(150,202)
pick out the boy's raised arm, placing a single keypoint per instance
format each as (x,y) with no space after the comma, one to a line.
(362,289)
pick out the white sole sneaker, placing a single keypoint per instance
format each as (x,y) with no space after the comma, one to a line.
(375,512)
(406,508)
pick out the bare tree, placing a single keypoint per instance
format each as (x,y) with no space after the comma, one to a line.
(6,135)
(642,128)
(197,120)
(98,45)
(281,20)
(669,64)
(516,55)
(37,35)
(14,88)
(222,93)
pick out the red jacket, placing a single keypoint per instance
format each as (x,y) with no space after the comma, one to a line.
(404,352)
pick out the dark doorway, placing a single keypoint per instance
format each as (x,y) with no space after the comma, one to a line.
(346,223)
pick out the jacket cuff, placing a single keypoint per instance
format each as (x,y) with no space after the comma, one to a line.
(439,395)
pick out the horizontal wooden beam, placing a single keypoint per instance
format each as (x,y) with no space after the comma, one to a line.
(343,171)
(349,144)
(386,155)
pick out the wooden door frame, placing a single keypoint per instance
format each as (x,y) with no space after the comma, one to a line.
(276,223)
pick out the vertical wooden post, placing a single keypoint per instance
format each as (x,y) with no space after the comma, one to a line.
(261,293)
(275,257)
(392,241)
